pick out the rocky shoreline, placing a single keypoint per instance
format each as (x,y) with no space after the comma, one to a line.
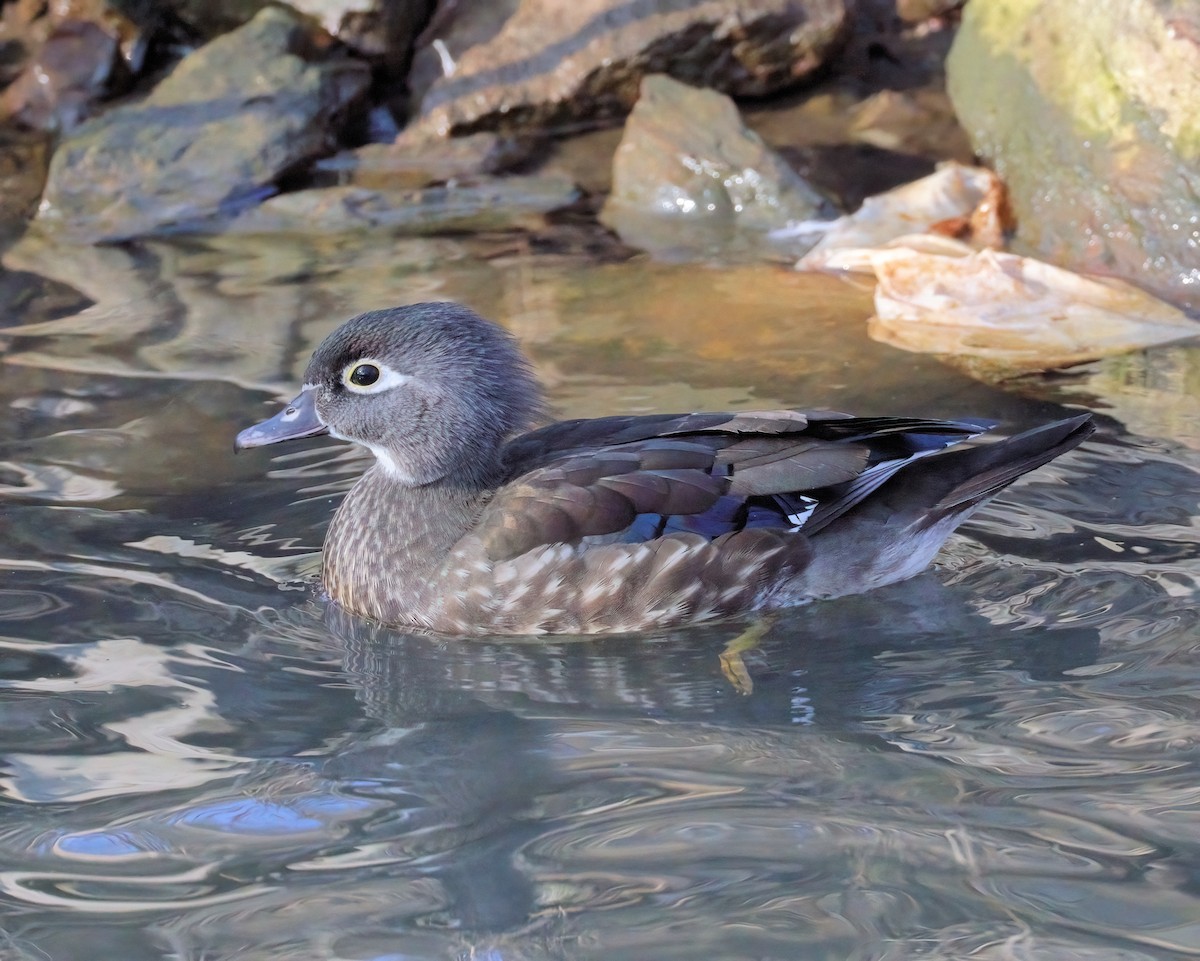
(708,130)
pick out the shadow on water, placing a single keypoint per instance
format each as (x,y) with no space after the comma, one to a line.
(199,759)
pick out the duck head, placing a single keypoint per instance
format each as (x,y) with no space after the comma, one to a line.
(432,390)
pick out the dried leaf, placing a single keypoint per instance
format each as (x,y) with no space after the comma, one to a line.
(1014,312)
(956,207)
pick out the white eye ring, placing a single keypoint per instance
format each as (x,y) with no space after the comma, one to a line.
(387,377)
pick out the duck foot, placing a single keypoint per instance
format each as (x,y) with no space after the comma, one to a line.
(732,664)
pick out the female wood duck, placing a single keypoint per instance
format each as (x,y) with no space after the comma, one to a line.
(471,522)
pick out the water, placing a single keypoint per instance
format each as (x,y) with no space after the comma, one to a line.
(997,760)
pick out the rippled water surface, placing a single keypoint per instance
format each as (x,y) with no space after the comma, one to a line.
(996,760)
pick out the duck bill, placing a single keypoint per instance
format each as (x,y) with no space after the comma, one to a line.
(298,419)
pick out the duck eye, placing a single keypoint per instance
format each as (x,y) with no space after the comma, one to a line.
(371,377)
(363,375)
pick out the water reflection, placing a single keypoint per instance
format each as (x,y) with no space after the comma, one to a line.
(198,759)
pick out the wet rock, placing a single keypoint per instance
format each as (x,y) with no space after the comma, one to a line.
(414,160)
(24,157)
(455,27)
(919,123)
(63,59)
(852,148)
(211,18)
(217,133)
(496,203)
(78,66)
(553,64)
(915,11)
(1092,122)
(23,28)
(690,180)
(379,29)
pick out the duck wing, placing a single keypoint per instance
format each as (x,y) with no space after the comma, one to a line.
(637,479)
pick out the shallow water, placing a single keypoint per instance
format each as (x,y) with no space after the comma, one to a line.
(995,760)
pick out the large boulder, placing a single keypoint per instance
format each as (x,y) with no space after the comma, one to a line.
(690,180)
(230,120)
(1091,118)
(553,64)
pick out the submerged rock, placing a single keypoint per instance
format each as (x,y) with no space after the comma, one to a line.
(689,179)
(217,133)
(492,203)
(552,64)
(415,160)
(1091,119)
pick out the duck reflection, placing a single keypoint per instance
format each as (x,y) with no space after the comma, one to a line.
(476,739)
(813,665)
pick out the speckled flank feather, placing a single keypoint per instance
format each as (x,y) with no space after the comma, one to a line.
(620,523)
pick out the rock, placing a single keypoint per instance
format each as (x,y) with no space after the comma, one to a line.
(553,64)
(218,132)
(914,11)
(499,203)
(384,31)
(455,27)
(78,66)
(1092,122)
(418,161)
(23,28)
(24,156)
(920,123)
(66,58)
(690,180)
(207,19)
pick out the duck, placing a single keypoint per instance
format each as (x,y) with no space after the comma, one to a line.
(474,520)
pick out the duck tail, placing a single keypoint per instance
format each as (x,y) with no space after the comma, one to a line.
(901,526)
(977,473)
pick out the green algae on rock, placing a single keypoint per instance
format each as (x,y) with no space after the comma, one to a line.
(1091,119)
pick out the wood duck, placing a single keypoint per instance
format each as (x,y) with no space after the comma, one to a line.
(472,522)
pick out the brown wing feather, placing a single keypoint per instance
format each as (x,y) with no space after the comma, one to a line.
(598,494)
(593,478)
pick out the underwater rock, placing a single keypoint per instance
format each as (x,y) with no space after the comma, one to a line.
(690,179)
(1092,122)
(489,203)
(216,134)
(416,160)
(551,64)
